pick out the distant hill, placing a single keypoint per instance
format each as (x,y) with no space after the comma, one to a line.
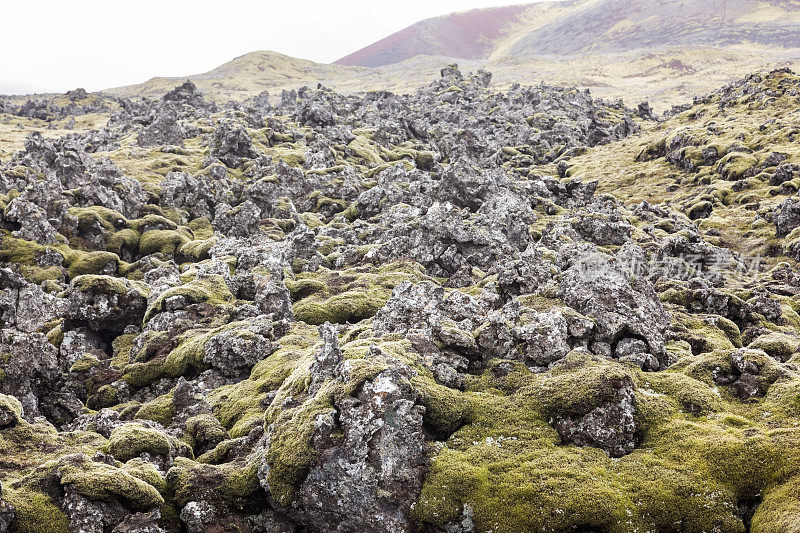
(247,75)
(589,26)
(624,25)
(474,34)
(666,51)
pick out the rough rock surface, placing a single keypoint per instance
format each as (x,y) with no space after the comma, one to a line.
(380,312)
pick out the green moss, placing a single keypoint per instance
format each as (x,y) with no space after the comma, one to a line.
(84,364)
(231,482)
(164,241)
(121,347)
(290,156)
(212,290)
(93,263)
(351,213)
(105,396)
(778,345)
(348,296)
(367,151)
(108,285)
(20,251)
(92,216)
(156,217)
(705,366)
(147,472)
(139,375)
(303,287)
(131,440)
(201,228)
(425,160)
(347,307)
(197,250)
(35,512)
(185,359)
(335,205)
(779,509)
(124,239)
(238,406)
(291,452)
(700,210)
(161,410)
(11,408)
(99,481)
(445,409)
(204,429)
(691,395)
(279,137)
(291,428)
(702,335)
(735,165)
(509,466)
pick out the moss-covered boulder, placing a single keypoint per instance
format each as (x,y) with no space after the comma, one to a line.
(10,411)
(106,303)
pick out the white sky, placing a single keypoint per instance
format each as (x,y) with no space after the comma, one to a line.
(57,45)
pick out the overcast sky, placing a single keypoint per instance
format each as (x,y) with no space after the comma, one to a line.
(59,45)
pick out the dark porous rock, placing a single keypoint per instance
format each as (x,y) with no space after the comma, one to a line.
(623,305)
(231,143)
(106,304)
(234,352)
(786,217)
(6,514)
(785,172)
(30,371)
(368,479)
(164,130)
(140,523)
(419,312)
(610,427)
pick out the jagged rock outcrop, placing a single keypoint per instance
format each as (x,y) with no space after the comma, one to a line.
(421,312)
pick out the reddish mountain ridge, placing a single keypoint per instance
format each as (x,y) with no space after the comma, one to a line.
(573,27)
(468,35)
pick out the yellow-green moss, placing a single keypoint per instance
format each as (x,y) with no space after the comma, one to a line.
(161,410)
(108,285)
(231,482)
(99,481)
(84,364)
(89,217)
(35,512)
(778,345)
(348,296)
(197,250)
(11,408)
(131,440)
(204,428)
(123,239)
(93,263)
(19,251)
(162,241)
(734,165)
(105,396)
(211,289)
(147,472)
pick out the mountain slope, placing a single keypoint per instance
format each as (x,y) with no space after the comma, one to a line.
(247,75)
(623,25)
(474,34)
(589,26)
